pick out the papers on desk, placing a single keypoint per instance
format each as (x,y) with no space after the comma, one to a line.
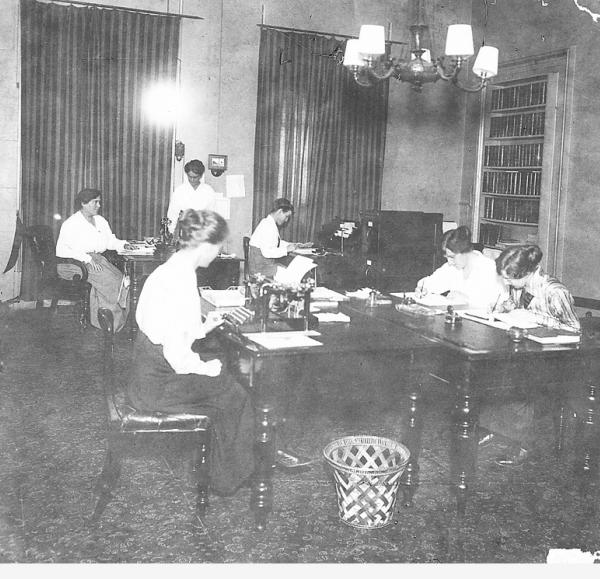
(325,317)
(431,300)
(281,340)
(138,249)
(295,271)
(523,319)
(323,294)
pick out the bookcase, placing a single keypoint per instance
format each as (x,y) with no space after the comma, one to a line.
(513,162)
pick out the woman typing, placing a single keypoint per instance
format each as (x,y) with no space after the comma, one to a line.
(168,376)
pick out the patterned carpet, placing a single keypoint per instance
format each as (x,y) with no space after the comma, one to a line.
(52,443)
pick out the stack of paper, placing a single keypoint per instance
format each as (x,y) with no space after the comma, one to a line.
(138,249)
(552,336)
(280,340)
(332,317)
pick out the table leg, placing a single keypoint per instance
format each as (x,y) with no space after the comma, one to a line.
(261,498)
(589,444)
(134,290)
(410,477)
(465,447)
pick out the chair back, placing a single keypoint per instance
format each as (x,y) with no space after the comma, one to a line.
(246,246)
(44,252)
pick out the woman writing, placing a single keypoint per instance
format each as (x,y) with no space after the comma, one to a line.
(468,276)
(168,376)
(85,236)
(551,304)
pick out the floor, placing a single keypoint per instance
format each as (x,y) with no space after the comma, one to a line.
(52,444)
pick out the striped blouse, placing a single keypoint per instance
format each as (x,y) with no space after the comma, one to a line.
(547,298)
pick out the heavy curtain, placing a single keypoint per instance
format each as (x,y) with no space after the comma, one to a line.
(85,72)
(320,137)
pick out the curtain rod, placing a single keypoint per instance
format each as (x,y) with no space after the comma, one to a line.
(320,33)
(123,8)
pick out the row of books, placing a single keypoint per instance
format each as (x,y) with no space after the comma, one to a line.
(523,155)
(525,95)
(518,125)
(514,210)
(512,182)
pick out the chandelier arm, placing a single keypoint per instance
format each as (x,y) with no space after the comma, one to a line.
(441,70)
(473,88)
(390,67)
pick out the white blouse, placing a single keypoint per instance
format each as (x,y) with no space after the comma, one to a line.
(78,238)
(169,314)
(482,286)
(186,197)
(266,238)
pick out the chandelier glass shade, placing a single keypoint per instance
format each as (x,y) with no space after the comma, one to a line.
(367,58)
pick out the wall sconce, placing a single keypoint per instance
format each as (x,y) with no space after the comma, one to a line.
(217,164)
(179,150)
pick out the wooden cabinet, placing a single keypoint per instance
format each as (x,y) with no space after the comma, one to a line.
(399,248)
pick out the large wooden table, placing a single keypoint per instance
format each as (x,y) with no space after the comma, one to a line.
(362,335)
(414,339)
(475,345)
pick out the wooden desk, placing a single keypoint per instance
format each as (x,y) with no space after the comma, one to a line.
(222,273)
(363,334)
(475,344)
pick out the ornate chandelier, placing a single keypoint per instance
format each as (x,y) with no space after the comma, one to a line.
(368,60)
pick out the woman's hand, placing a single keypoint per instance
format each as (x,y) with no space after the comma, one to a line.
(212,368)
(94,265)
(213,320)
(420,290)
(129,246)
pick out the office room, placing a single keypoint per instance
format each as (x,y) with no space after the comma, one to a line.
(388,350)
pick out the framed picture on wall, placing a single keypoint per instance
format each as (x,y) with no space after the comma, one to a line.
(217,164)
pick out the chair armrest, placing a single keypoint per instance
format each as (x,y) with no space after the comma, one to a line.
(79,264)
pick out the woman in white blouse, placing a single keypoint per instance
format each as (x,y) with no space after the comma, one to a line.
(85,236)
(168,376)
(468,276)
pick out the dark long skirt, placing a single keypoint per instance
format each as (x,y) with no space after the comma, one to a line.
(155,386)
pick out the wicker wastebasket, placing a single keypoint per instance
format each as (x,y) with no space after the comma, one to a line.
(367,471)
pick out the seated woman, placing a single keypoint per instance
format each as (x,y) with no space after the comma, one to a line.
(85,236)
(468,276)
(168,376)
(552,304)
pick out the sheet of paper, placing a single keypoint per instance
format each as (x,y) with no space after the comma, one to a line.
(280,340)
(234,186)
(518,318)
(295,271)
(324,294)
(332,317)
(437,301)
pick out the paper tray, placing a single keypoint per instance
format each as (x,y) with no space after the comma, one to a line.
(221,300)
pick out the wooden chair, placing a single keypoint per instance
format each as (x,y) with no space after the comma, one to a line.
(246,246)
(126,425)
(50,284)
